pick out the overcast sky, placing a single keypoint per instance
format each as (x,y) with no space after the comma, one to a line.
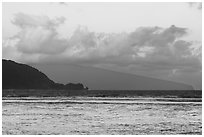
(161,40)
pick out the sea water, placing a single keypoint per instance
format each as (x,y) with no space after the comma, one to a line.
(101,116)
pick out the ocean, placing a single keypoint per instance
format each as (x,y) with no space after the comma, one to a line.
(101,116)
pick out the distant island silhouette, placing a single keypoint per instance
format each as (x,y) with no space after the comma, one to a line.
(23,80)
(103,79)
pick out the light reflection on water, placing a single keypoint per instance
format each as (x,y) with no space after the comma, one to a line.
(101,116)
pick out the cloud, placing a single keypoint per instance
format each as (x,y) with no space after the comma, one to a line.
(63,3)
(149,41)
(147,50)
(151,51)
(38,34)
(197,5)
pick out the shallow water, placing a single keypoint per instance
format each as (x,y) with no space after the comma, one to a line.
(105,116)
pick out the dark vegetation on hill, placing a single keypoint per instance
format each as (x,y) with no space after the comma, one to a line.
(21,76)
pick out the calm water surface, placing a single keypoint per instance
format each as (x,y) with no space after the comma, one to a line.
(106,116)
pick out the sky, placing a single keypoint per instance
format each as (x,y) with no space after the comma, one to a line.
(160,40)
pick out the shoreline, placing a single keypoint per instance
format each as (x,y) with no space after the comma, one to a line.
(102,93)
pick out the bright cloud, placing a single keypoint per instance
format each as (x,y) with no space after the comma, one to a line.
(38,34)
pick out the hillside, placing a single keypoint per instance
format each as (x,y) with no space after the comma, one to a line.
(22,76)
